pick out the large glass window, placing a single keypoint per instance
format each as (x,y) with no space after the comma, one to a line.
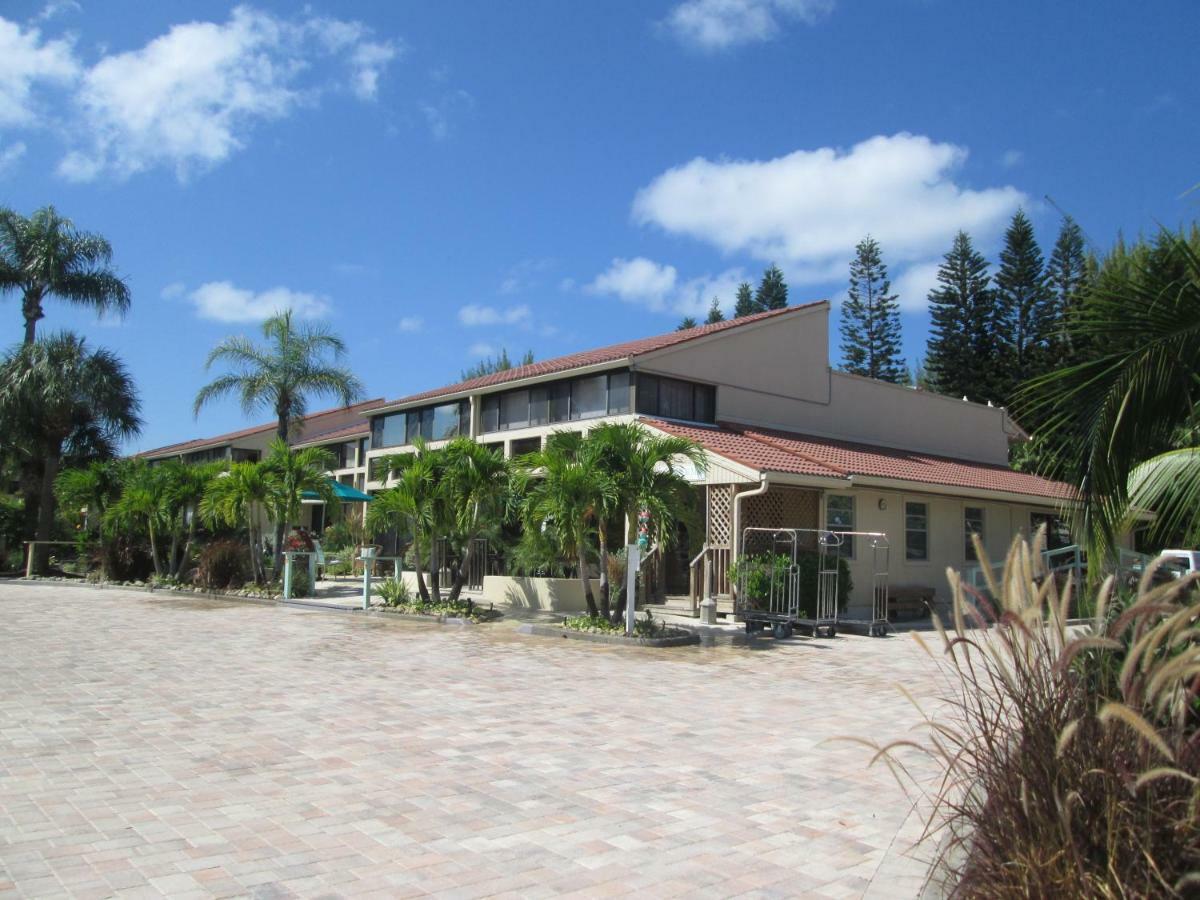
(539,405)
(490,419)
(445,421)
(618,393)
(388,431)
(589,397)
(514,409)
(972,525)
(839,516)
(560,401)
(916,531)
(675,399)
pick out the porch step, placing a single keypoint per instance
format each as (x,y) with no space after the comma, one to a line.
(676,604)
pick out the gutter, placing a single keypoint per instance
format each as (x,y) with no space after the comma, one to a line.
(763,486)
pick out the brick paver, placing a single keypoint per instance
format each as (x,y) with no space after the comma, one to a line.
(153,746)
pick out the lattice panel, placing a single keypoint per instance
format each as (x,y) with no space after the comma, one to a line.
(720,514)
(782,508)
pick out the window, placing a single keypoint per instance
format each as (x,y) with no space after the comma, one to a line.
(490,418)
(839,516)
(362,452)
(675,399)
(972,524)
(239,455)
(445,421)
(539,405)
(413,430)
(589,397)
(526,445)
(1058,535)
(514,409)
(388,431)
(916,531)
(618,393)
(560,401)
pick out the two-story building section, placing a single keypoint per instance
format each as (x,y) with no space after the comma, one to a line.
(790,443)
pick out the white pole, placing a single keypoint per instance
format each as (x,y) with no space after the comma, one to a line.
(368,561)
(287,575)
(633,562)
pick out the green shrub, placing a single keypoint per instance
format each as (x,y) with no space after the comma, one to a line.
(646,627)
(224,564)
(122,558)
(1070,757)
(754,576)
(394,592)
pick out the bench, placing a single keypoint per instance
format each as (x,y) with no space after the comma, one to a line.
(910,602)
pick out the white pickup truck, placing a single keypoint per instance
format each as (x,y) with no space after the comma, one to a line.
(1184,562)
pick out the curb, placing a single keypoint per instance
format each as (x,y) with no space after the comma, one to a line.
(620,640)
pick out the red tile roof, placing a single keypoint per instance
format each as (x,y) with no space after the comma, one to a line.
(358,429)
(768,450)
(611,353)
(222,439)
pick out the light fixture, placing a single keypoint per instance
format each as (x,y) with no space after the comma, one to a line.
(882,503)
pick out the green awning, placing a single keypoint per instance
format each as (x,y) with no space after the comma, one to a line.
(344,493)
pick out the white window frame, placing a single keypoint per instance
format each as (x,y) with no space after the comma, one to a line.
(848,542)
(904,512)
(967,532)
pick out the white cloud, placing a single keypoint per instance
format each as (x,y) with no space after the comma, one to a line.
(440,114)
(913,285)
(10,156)
(26,61)
(411,324)
(173,290)
(808,209)
(524,275)
(481,350)
(473,315)
(223,302)
(658,287)
(56,8)
(189,98)
(720,24)
(1012,158)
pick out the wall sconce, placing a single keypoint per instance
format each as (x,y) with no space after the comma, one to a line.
(882,503)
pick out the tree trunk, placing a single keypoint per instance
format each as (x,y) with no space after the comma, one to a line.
(32,308)
(45,519)
(422,589)
(173,552)
(605,589)
(187,545)
(460,577)
(587,583)
(435,570)
(154,549)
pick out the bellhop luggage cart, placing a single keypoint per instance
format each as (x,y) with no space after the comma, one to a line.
(875,544)
(771,594)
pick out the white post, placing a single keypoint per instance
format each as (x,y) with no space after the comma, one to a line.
(312,574)
(287,575)
(633,560)
(29,559)
(367,555)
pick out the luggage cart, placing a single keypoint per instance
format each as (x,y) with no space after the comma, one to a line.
(881,551)
(770,592)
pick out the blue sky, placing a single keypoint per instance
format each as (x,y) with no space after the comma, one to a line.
(438,180)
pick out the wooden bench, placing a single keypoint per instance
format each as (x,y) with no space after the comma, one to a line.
(910,602)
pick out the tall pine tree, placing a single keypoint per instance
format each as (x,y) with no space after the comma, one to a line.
(962,357)
(772,290)
(1067,277)
(1025,315)
(871,319)
(745,301)
(714,313)
(688,322)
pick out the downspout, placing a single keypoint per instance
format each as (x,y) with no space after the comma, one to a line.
(763,486)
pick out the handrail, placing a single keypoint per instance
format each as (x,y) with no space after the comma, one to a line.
(699,556)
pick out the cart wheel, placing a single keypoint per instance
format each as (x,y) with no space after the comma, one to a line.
(749,628)
(779,630)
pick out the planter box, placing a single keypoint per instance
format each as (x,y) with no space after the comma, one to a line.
(555,631)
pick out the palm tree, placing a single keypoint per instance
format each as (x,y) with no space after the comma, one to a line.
(566,495)
(45,255)
(240,498)
(404,508)
(1117,427)
(644,468)
(476,484)
(61,397)
(290,474)
(144,505)
(282,374)
(185,487)
(91,488)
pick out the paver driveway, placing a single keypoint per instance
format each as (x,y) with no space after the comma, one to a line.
(153,745)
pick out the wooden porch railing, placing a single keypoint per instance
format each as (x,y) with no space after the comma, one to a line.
(710,565)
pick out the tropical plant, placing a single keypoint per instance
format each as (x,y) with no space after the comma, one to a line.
(91,489)
(283,374)
(394,592)
(291,474)
(1117,426)
(143,507)
(240,498)
(46,256)
(61,399)
(223,564)
(567,495)
(1068,757)
(476,482)
(185,487)
(644,468)
(409,506)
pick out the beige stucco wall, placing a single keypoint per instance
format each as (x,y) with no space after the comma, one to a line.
(777,375)
(564,595)
(947,538)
